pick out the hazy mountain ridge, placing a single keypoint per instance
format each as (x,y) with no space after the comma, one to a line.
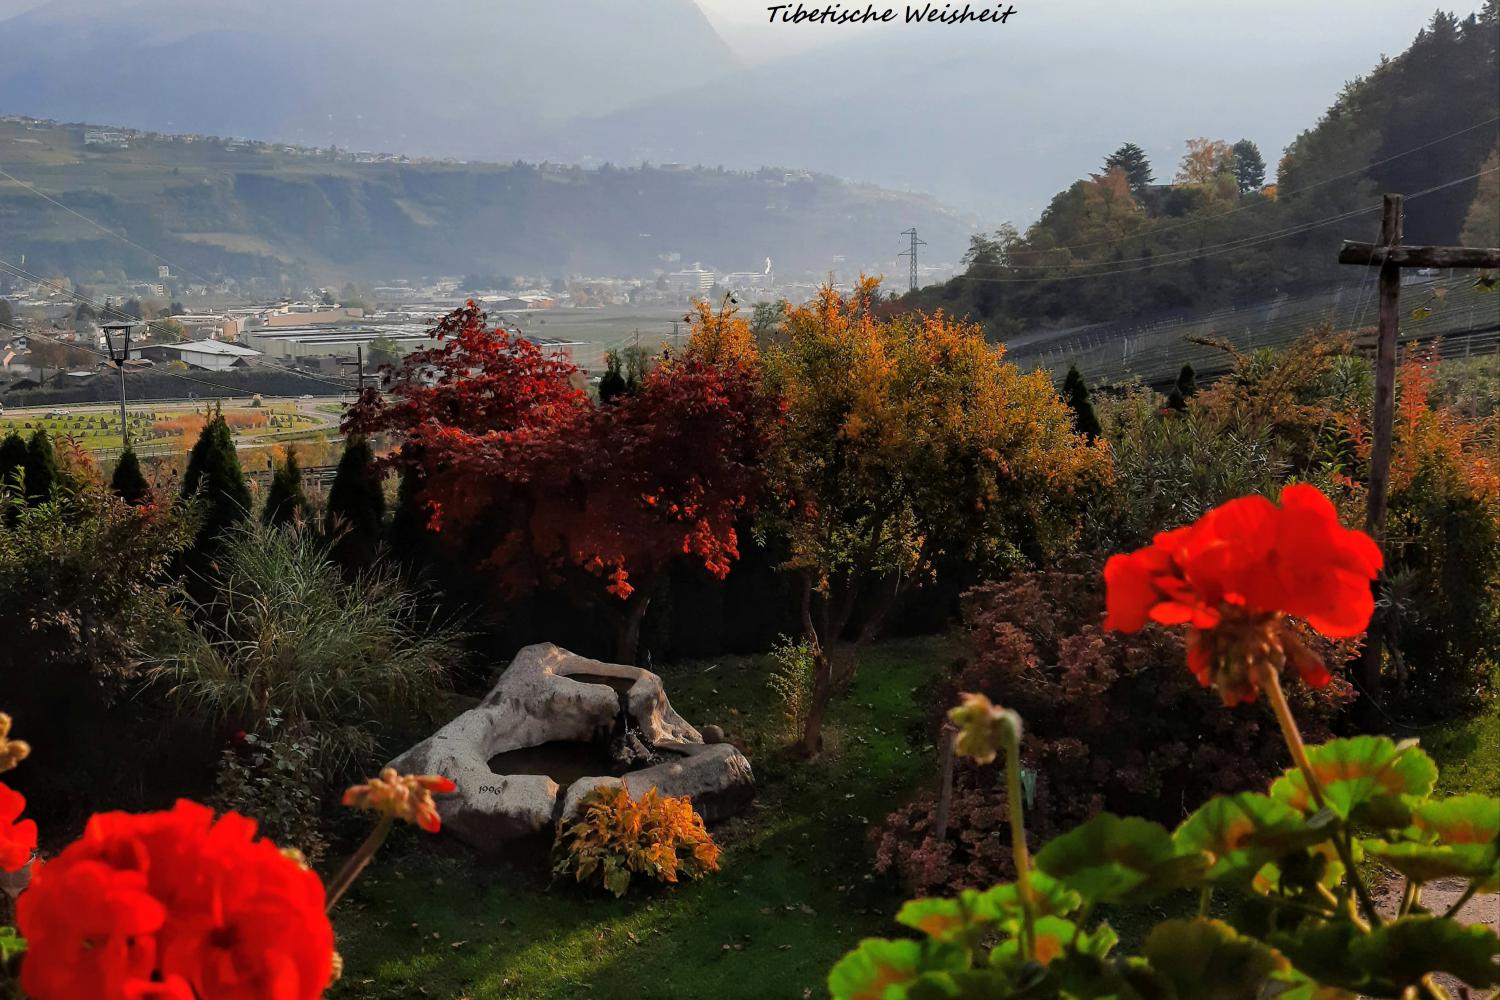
(988,118)
(263,212)
(421,78)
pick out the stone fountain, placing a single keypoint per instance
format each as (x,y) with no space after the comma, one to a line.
(555,727)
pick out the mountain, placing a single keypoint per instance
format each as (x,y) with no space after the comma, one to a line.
(989,117)
(428,77)
(1425,124)
(986,117)
(252,210)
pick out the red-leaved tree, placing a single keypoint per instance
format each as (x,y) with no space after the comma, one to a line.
(557,489)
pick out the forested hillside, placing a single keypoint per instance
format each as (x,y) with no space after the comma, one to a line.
(1231,225)
(260,210)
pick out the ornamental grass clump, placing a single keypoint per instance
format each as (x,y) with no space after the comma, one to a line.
(617,837)
(1305,924)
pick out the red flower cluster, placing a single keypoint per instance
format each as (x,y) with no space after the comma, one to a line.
(174,906)
(1235,573)
(17,839)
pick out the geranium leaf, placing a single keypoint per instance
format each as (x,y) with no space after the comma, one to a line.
(1394,956)
(881,969)
(11,944)
(877,964)
(1300,987)
(1050,898)
(1427,862)
(1365,778)
(1404,951)
(1054,937)
(1461,819)
(1208,960)
(1243,832)
(949,920)
(1114,859)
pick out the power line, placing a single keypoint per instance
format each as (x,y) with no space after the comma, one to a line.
(121,314)
(1282,195)
(233,390)
(1184,256)
(102,228)
(912,253)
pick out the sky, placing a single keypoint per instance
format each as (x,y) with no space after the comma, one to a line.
(1347,24)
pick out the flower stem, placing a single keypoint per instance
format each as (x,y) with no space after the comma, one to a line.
(1293,737)
(1458,904)
(1018,837)
(357,862)
(1408,897)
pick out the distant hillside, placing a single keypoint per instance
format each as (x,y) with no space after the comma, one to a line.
(429,77)
(245,210)
(1206,235)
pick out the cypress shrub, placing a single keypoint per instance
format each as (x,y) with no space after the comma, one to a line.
(355,517)
(42,473)
(1076,394)
(12,458)
(285,501)
(128,482)
(214,476)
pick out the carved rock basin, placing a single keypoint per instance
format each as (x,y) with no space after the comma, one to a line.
(555,727)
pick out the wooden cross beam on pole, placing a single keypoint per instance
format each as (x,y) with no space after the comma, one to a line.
(1390,256)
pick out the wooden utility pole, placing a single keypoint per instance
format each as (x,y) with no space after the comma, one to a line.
(1385,372)
(1390,256)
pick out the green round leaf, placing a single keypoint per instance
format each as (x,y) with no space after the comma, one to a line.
(880,969)
(1366,778)
(1393,956)
(1427,862)
(1240,833)
(1119,859)
(1208,960)
(876,965)
(1462,819)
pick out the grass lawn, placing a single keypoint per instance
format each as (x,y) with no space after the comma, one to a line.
(794,894)
(1467,749)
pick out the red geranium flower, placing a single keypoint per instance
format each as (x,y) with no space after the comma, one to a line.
(17,840)
(175,904)
(1234,574)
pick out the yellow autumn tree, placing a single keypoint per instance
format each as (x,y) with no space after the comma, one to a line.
(1482,224)
(1208,165)
(720,337)
(1109,209)
(909,444)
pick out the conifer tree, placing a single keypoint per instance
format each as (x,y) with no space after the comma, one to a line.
(1249,166)
(1183,390)
(356,507)
(42,473)
(1131,159)
(1076,393)
(408,520)
(214,476)
(1187,382)
(285,501)
(612,384)
(128,482)
(12,458)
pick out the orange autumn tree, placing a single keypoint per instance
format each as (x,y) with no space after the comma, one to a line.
(1442,533)
(908,444)
(544,487)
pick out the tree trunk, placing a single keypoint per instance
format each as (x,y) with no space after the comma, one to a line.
(822,693)
(843,659)
(628,628)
